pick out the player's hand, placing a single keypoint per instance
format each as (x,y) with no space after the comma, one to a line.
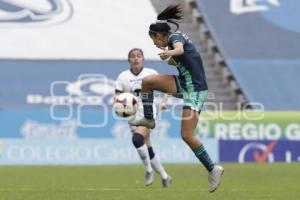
(164,55)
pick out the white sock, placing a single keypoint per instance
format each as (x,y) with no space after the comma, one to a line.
(144,155)
(157,166)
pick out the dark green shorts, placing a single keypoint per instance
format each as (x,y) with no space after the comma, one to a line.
(193,100)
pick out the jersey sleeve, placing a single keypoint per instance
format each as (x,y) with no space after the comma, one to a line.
(120,83)
(176,37)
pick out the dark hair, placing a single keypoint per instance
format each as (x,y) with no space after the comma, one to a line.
(135,49)
(171,14)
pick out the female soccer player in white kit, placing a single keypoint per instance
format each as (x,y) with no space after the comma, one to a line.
(130,81)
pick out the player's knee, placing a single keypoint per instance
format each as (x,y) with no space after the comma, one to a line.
(185,137)
(137,140)
(147,81)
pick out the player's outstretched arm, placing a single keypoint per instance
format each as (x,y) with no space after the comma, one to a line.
(177,51)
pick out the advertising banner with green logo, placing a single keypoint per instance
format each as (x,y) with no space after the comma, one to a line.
(249,125)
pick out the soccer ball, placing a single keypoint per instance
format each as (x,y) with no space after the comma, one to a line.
(125,105)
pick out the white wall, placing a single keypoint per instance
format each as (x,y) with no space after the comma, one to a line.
(97,29)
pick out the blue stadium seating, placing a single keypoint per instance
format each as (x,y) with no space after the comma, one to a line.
(261,46)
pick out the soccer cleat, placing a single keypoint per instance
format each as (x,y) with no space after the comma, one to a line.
(149,123)
(214,177)
(167,182)
(149,178)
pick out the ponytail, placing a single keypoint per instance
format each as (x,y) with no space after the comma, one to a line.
(171,14)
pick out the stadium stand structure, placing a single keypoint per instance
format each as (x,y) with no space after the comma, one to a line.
(256,47)
(221,95)
(70,33)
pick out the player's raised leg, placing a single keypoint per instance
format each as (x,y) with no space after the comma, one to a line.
(163,83)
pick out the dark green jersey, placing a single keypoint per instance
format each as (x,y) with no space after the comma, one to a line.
(189,64)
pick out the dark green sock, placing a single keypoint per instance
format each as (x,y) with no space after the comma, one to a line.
(147,99)
(204,158)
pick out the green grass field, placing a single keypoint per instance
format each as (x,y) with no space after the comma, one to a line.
(242,182)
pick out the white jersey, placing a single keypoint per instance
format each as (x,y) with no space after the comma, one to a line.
(129,82)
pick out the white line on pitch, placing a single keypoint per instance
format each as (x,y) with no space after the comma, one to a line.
(113,189)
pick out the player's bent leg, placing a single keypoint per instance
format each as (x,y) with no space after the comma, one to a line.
(163,83)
